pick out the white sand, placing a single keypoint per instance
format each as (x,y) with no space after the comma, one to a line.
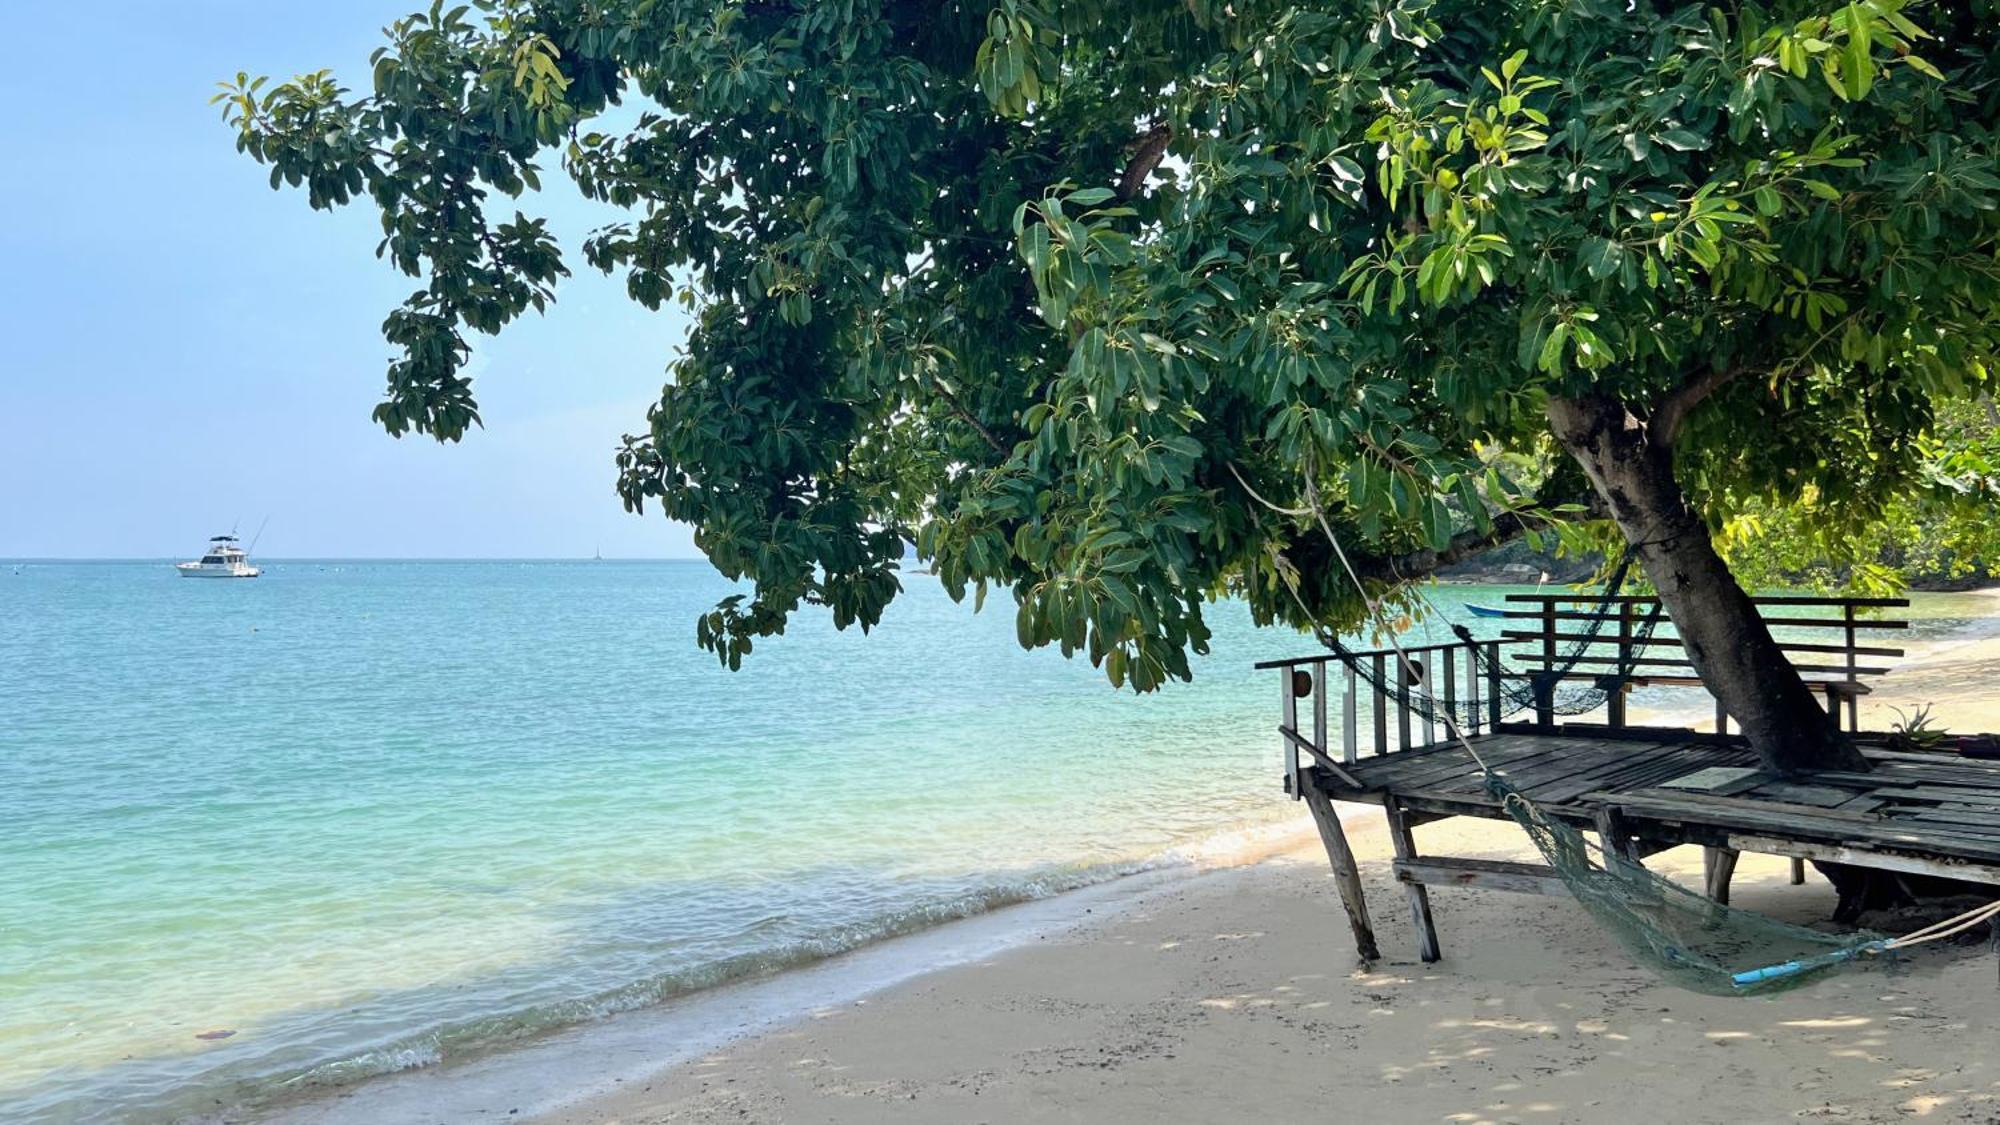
(1235,995)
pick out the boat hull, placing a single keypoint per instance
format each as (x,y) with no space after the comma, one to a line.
(196,570)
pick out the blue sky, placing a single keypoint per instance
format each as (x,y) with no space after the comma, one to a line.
(185,348)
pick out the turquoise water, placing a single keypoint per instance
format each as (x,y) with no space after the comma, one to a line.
(371,815)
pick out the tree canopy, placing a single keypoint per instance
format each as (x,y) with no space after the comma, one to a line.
(1088,301)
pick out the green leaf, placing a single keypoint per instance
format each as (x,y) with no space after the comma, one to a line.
(1857,66)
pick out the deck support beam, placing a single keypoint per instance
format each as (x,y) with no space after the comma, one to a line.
(1802,850)
(1346,874)
(1405,842)
(1718,866)
(1615,835)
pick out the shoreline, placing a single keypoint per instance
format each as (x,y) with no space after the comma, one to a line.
(564,1068)
(570,1075)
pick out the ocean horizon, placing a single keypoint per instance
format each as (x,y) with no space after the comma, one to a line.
(359,816)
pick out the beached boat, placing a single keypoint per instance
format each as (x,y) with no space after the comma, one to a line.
(223,559)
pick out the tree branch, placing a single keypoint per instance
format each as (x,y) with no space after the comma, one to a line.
(959,409)
(1147,153)
(1665,424)
(1507,527)
(1504,528)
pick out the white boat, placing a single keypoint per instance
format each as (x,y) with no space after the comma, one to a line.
(223,559)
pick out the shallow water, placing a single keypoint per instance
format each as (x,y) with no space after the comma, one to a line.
(368,815)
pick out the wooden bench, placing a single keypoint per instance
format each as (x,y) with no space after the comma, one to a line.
(1612,634)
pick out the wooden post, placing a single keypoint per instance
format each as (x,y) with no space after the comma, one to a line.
(1721,718)
(1405,843)
(1450,682)
(1493,685)
(1349,718)
(1616,703)
(1545,689)
(1402,704)
(1472,685)
(1615,835)
(1798,872)
(1853,698)
(1718,865)
(1380,701)
(1322,738)
(1346,875)
(1291,714)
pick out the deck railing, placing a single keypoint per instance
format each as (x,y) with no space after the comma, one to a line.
(1386,702)
(1590,637)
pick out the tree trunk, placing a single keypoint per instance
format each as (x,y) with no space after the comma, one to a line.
(1725,639)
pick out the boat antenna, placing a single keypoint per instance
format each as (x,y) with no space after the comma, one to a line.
(259,535)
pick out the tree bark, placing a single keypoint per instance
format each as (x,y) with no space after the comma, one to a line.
(1726,641)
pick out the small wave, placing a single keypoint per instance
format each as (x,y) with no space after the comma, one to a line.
(466,1038)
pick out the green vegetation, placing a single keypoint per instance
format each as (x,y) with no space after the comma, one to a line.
(1050,288)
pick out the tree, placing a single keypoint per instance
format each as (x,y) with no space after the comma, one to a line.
(1940,535)
(1051,288)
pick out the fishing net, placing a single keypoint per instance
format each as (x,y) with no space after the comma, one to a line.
(1554,686)
(1690,940)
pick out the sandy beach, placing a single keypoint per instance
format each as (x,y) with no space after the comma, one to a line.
(1232,993)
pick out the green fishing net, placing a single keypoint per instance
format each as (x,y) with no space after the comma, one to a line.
(1688,939)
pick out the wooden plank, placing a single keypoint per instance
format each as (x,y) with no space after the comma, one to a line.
(1320,757)
(1664,662)
(1786,821)
(1883,754)
(1818,796)
(1865,857)
(1676,642)
(1919,822)
(1982,818)
(1559,760)
(1325,657)
(1761,599)
(1585,761)
(1665,770)
(1962,794)
(1406,769)
(1453,759)
(1773,622)
(1483,874)
(1608,775)
(1708,802)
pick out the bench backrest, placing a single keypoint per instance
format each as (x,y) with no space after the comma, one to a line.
(1592,636)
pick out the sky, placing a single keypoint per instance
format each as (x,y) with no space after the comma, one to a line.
(187,351)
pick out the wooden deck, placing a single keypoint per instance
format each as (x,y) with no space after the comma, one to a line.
(1640,789)
(1706,792)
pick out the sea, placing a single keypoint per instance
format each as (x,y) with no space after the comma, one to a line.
(264,837)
